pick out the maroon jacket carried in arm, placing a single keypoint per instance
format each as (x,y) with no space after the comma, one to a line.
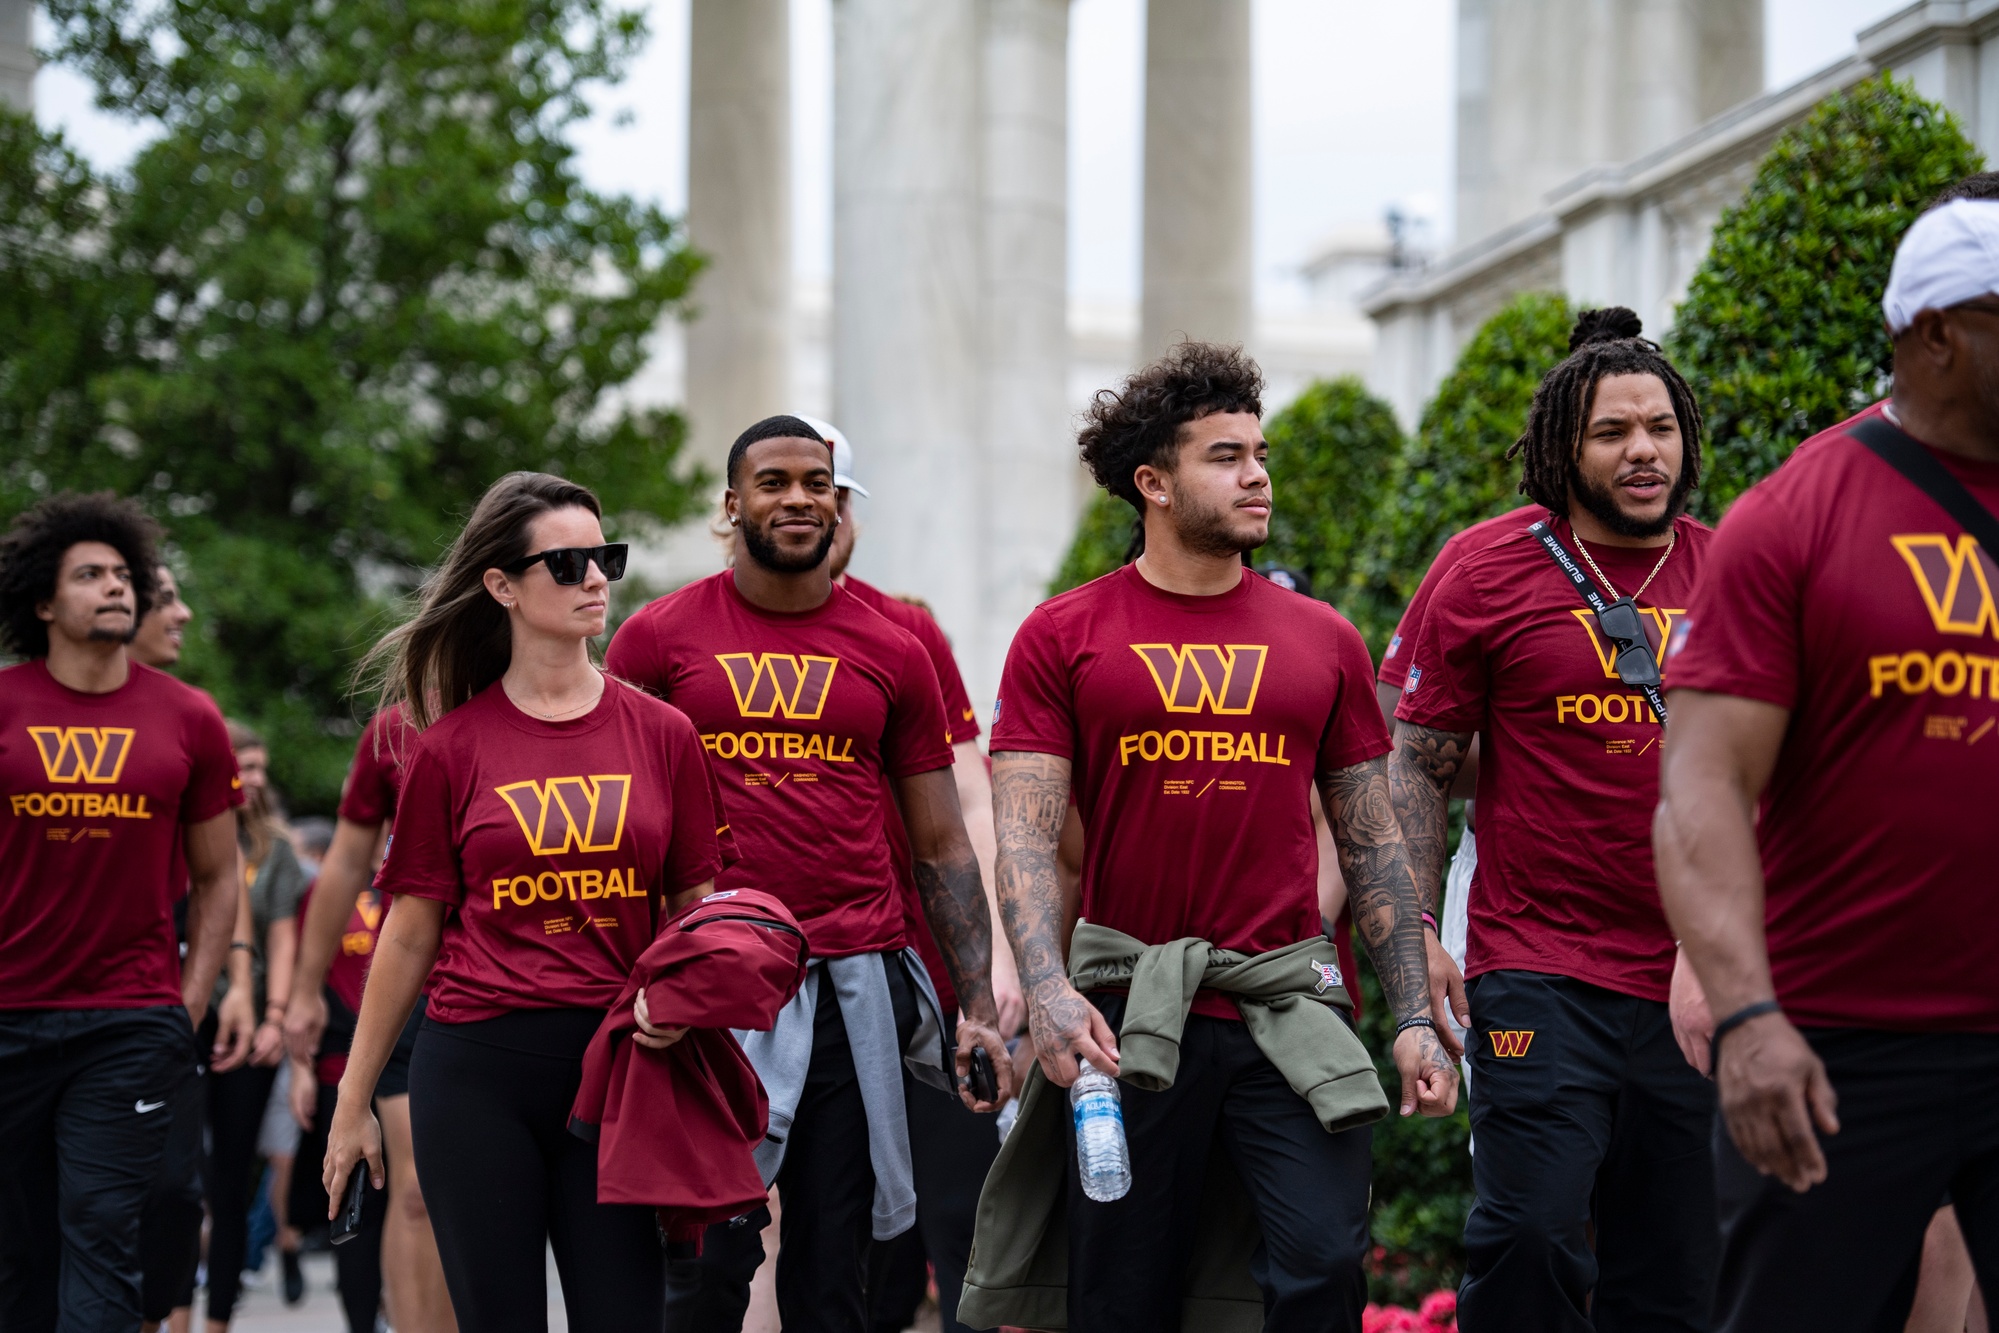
(675,1128)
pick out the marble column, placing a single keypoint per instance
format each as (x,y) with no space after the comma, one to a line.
(1198,174)
(1031,477)
(907,278)
(739,216)
(17,55)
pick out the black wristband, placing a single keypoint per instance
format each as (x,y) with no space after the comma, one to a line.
(1419,1021)
(1734,1021)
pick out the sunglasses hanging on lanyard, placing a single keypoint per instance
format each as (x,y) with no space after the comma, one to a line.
(1620,622)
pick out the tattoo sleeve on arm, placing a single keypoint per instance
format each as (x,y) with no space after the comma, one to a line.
(947,880)
(954,902)
(1379,884)
(1420,773)
(1031,799)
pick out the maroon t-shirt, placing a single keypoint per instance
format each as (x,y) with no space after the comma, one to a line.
(1395,662)
(376,775)
(958,710)
(1568,769)
(552,842)
(1194,727)
(1838,590)
(807,716)
(98,787)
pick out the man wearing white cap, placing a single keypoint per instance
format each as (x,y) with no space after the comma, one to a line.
(1824,831)
(952,1147)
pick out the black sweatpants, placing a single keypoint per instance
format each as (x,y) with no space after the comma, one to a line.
(170,1227)
(1596,1123)
(1918,1120)
(952,1149)
(1309,1190)
(236,1102)
(827,1188)
(503,1177)
(83,1126)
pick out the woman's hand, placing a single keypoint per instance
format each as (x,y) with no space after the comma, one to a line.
(355,1135)
(267,1047)
(652,1038)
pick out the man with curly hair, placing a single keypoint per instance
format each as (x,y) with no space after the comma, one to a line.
(1191,705)
(107,769)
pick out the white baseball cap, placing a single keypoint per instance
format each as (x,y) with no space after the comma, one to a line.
(1949,256)
(843,453)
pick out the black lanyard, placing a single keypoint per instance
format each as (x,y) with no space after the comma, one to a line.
(1594,600)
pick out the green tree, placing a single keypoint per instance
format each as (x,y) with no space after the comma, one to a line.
(1332,452)
(354,281)
(1454,472)
(1781,333)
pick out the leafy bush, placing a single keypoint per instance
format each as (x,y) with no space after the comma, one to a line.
(1331,452)
(1102,537)
(1781,332)
(1455,472)
(1422,1176)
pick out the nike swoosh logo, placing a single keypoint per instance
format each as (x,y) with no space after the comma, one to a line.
(142,1106)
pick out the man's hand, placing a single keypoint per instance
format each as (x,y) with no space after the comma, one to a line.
(1429,1078)
(1065,1027)
(1773,1091)
(305,1093)
(305,1023)
(972,1035)
(267,1044)
(235,1029)
(1693,1023)
(1447,996)
(657,1039)
(1007,997)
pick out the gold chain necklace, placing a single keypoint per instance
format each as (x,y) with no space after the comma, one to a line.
(525,707)
(1671,542)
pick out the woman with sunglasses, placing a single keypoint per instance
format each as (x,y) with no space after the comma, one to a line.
(550,817)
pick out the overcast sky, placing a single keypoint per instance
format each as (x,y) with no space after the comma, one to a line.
(1353,115)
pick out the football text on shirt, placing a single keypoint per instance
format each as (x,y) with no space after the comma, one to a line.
(87,755)
(1955,579)
(1204,677)
(562,815)
(779,685)
(1615,705)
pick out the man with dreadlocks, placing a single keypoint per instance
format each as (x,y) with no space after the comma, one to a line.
(1545,645)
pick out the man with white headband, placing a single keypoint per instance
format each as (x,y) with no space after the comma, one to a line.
(1823,835)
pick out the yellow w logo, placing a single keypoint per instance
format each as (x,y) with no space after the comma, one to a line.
(570,814)
(1606,652)
(83,754)
(1221,678)
(1955,578)
(1510,1045)
(767,684)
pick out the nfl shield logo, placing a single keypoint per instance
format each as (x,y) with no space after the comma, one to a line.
(1329,976)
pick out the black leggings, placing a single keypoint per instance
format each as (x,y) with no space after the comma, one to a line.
(502,1176)
(236,1102)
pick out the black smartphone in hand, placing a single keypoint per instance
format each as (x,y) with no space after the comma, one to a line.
(347,1223)
(983,1083)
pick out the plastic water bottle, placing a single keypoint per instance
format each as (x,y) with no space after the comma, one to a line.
(1101,1157)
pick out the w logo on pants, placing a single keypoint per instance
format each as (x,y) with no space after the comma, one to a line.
(1510,1045)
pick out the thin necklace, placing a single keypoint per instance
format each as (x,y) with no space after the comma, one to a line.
(525,707)
(1671,542)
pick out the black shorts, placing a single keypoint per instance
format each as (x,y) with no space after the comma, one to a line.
(395,1079)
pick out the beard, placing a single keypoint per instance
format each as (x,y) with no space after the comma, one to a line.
(1206,531)
(1602,504)
(779,561)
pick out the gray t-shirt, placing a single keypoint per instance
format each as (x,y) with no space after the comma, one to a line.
(275,888)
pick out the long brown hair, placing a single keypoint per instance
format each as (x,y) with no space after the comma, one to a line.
(258,823)
(459,642)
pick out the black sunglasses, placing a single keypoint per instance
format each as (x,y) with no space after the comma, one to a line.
(570,565)
(1625,628)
